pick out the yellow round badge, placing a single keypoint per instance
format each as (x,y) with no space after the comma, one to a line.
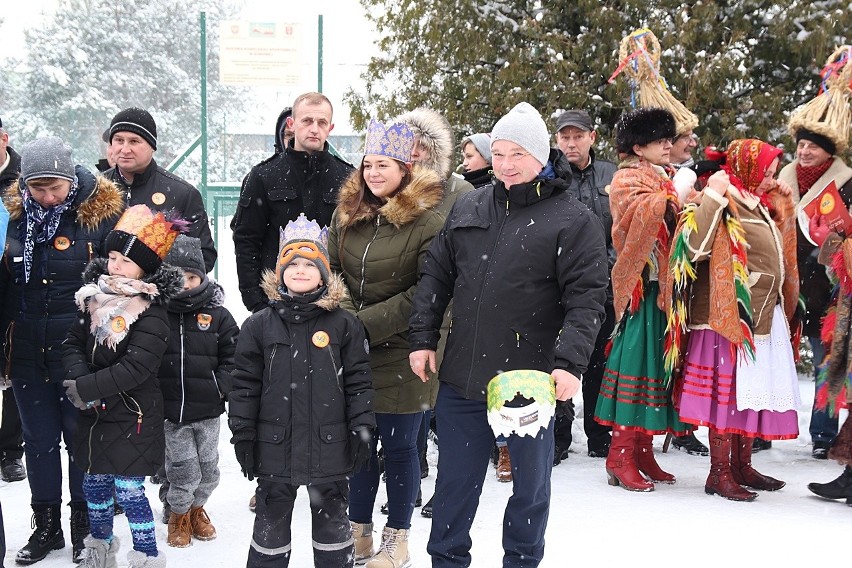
(320,339)
(826,205)
(118,324)
(158,198)
(61,243)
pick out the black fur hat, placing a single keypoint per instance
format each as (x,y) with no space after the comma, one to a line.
(643,126)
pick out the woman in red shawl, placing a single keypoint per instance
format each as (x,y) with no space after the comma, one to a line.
(733,267)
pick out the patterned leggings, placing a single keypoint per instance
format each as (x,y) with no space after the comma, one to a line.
(130,493)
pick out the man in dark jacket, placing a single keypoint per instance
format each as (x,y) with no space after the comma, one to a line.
(525,265)
(133,140)
(11,436)
(304,178)
(589,178)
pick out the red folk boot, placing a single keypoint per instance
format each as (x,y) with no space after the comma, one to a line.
(720,481)
(647,463)
(621,466)
(743,472)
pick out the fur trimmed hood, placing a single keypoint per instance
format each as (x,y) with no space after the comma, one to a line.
(424,191)
(168,279)
(98,200)
(434,132)
(334,294)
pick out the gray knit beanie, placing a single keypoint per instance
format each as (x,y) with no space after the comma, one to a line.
(186,254)
(47,157)
(482,143)
(524,126)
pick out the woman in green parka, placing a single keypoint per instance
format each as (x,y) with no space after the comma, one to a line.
(381,230)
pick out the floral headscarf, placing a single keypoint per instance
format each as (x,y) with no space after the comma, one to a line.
(747,161)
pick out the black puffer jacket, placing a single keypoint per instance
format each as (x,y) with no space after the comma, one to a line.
(274,192)
(527,273)
(302,383)
(195,375)
(122,434)
(37,314)
(10,173)
(162,190)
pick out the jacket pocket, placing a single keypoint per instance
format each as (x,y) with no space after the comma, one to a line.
(270,433)
(335,452)
(282,194)
(271,458)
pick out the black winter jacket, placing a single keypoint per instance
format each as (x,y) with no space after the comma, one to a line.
(162,190)
(195,375)
(122,434)
(302,384)
(527,273)
(274,192)
(12,171)
(37,314)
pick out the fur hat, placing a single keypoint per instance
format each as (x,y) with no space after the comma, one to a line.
(136,120)
(433,131)
(186,254)
(143,236)
(482,142)
(304,239)
(826,119)
(394,141)
(47,157)
(524,126)
(642,126)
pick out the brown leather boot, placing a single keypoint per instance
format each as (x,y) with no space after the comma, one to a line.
(720,481)
(621,468)
(504,464)
(647,463)
(743,472)
(202,528)
(180,530)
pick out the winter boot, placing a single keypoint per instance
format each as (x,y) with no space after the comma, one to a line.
(138,559)
(424,464)
(621,468)
(690,444)
(47,536)
(100,553)
(646,462)
(840,488)
(743,472)
(720,481)
(426,511)
(180,530)
(202,528)
(363,535)
(79,529)
(504,465)
(393,552)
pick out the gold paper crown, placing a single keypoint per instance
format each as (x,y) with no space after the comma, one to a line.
(151,229)
(639,56)
(828,114)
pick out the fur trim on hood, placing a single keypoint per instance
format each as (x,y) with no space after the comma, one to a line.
(335,293)
(435,133)
(106,200)
(168,279)
(424,191)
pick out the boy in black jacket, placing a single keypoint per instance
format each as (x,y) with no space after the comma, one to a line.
(195,377)
(301,410)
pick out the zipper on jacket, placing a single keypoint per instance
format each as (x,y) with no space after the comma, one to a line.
(271,357)
(182,384)
(91,251)
(216,383)
(364,262)
(91,430)
(337,372)
(138,411)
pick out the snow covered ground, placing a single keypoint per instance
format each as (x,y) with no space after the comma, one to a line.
(590,522)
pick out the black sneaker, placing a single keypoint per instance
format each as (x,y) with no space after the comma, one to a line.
(760,444)
(12,469)
(820,451)
(599,451)
(691,445)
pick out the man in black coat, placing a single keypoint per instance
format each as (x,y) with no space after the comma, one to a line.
(525,265)
(304,178)
(133,140)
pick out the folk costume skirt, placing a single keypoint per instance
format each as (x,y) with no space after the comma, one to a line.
(633,394)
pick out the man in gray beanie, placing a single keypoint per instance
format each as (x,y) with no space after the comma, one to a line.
(535,302)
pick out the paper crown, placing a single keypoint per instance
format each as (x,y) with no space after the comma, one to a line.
(144,236)
(536,387)
(639,56)
(828,114)
(394,141)
(304,238)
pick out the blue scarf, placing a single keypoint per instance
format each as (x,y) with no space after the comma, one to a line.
(41,223)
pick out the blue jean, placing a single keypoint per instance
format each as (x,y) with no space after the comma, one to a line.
(398,434)
(823,426)
(466,442)
(47,417)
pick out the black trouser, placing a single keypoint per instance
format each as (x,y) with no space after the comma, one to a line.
(11,434)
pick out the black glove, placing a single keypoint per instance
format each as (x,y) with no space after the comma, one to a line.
(245,455)
(361,442)
(703,167)
(74,395)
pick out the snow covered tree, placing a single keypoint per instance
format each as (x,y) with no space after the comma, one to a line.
(740,65)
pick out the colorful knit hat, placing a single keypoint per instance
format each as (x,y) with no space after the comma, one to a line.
(394,141)
(536,393)
(304,239)
(145,237)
